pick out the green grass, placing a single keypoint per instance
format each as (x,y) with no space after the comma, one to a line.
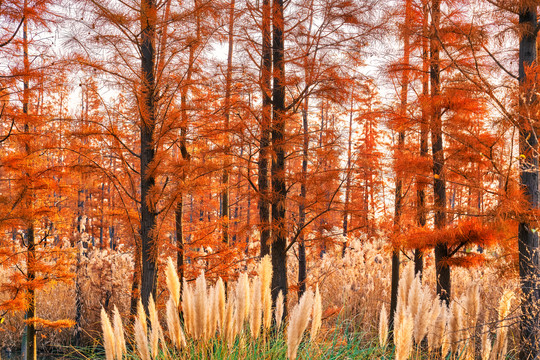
(342,343)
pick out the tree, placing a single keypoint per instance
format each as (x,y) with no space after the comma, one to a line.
(279,189)
(528,149)
(399,176)
(35,261)
(266,118)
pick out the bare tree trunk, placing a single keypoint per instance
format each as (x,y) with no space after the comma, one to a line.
(528,146)
(179,211)
(348,181)
(279,189)
(439,184)
(149,248)
(225,215)
(302,266)
(31,340)
(136,283)
(424,129)
(266,72)
(399,174)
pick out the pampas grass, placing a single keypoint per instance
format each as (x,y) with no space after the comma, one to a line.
(141,340)
(265,273)
(156,327)
(403,336)
(118,329)
(141,315)
(255,316)
(300,316)
(173,323)
(501,341)
(438,327)
(383,327)
(486,343)
(221,302)
(280,304)
(173,283)
(219,322)
(108,336)
(317,314)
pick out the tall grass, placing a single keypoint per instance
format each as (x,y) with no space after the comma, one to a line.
(209,319)
(356,287)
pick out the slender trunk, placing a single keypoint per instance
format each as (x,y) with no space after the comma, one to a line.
(302,263)
(137,272)
(248,210)
(528,147)
(225,215)
(31,340)
(179,229)
(348,182)
(149,245)
(398,209)
(424,129)
(302,266)
(279,190)
(179,211)
(266,73)
(322,166)
(439,185)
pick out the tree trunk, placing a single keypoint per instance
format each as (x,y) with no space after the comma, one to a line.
(279,190)
(136,283)
(31,340)
(398,209)
(302,266)
(178,216)
(149,243)
(348,182)
(442,270)
(266,72)
(225,215)
(528,147)
(424,129)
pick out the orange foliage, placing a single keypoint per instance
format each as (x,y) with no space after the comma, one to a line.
(460,237)
(57,324)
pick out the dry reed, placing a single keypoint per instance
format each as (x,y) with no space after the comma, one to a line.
(298,322)
(317,314)
(501,341)
(118,329)
(173,283)
(403,336)
(280,304)
(108,336)
(173,323)
(255,317)
(265,273)
(155,332)
(141,340)
(383,327)
(221,302)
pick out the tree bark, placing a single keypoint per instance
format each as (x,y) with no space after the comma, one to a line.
(424,129)
(348,182)
(442,270)
(31,340)
(279,190)
(149,243)
(225,214)
(528,147)
(302,266)
(398,209)
(266,73)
